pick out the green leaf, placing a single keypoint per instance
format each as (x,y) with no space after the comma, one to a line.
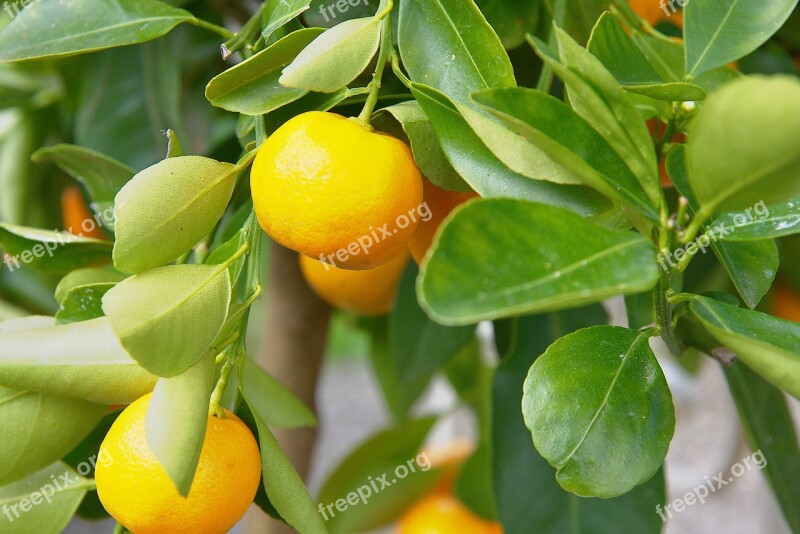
(596,96)
(752,266)
(282,12)
(770,429)
(82,303)
(85,26)
(550,125)
(43,250)
(252,87)
(768,345)
(387,459)
(762,221)
(335,58)
(512,20)
(419,346)
(516,463)
(729,167)
(720,32)
(168,208)
(284,487)
(88,276)
(39,429)
(176,421)
(65,490)
(535,258)
(428,154)
(167,317)
(484,172)
(448,45)
(79,360)
(600,411)
(629,65)
(102,176)
(174,145)
(272,402)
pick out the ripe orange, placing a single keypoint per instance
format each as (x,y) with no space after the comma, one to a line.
(444,514)
(786,303)
(78,219)
(439,203)
(369,292)
(334,190)
(139,494)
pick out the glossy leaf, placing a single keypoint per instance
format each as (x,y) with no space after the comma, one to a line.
(82,303)
(102,176)
(752,266)
(43,250)
(284,487)
(768,345)
(550,125)
(535,258)
(282,12)
(168,208)
(252,87)
(484,172)
(719,32)
(762,222)
(378,459)
(335,58)
(166,318)
(79,360)
(600,411)
(449,46)
(729,168)
(176,421)
(273,402)
(428,154)
(516,463)
(88,276)
(770,429)
(39,429)
(512,20)
(620,55)
(51,515)
(85,26)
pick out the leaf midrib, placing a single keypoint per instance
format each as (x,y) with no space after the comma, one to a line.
(713,39)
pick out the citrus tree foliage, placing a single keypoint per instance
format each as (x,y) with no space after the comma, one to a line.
(572,211)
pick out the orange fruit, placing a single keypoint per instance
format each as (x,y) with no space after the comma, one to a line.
(78,219)
(786,303)
(369,292)
(653,11)
(136,490)
(440,203)
(334,190)
(444,514)
(449,459)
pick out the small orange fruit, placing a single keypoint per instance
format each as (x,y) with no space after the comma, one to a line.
(334,190)
(440,203)
(444,514)
(786,303)
(653,11)
(449,459)
(136,490)
(78,219)
(370,292)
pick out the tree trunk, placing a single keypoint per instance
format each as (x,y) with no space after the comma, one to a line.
(294,343)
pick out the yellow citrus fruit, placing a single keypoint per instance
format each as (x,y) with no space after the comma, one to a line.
(76,215)
(369,292)
(136,490)
(440,203)
(444,514)
(336,191)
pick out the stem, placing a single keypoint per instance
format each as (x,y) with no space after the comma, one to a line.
(386,49)
(225,33)
(215,408)
(697,223)
(245,36)
(119,529)
(557,13)
(398,71)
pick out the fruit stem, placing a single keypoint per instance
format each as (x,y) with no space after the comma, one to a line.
(215,407)
(386,50)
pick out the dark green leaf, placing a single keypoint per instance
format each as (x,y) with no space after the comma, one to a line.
(48,251)
(762,221)
(600,410)
(272,401)
(512,19)
(82,303)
